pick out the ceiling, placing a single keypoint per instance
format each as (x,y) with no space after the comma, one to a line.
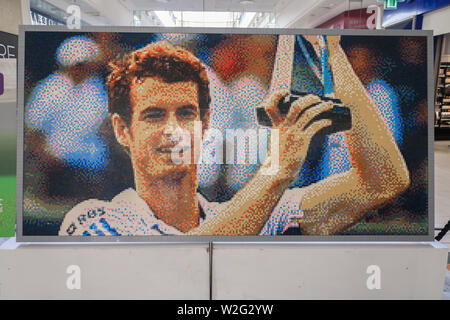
(289,13)
(205,5)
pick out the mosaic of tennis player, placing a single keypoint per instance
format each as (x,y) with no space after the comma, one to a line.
(159,90)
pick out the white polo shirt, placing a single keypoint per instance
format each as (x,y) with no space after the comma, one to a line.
(127,214)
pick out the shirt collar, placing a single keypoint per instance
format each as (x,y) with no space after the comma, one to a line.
(132,198)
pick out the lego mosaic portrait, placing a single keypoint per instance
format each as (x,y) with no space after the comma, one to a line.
(251,134)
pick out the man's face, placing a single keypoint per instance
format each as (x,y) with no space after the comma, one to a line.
(160,112)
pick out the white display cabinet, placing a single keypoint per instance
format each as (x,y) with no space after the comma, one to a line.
(233,271)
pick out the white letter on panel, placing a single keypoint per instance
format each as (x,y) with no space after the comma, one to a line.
(74,280)
(374,280)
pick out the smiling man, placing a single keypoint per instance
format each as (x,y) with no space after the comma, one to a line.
(161,90)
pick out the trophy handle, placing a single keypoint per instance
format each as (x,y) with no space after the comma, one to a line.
(284,63)
(324,73)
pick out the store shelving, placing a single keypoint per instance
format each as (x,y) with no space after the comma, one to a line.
(442,95)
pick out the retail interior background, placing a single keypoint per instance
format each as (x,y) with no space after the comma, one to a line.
(8,54)
(437,20)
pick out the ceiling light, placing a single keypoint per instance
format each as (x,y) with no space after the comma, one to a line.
(328,6)
(247,19)
(245,2)
(165,18)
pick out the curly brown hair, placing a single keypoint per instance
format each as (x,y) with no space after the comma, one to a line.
(161,59)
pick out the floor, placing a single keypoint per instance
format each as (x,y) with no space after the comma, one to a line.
(446,295)
(442,196)
(442,186)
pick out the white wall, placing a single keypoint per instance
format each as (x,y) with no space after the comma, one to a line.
(438,21)
(13,13)
(100,12)
(446,49)
(116,12)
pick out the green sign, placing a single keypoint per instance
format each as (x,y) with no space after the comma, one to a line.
(390,4)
